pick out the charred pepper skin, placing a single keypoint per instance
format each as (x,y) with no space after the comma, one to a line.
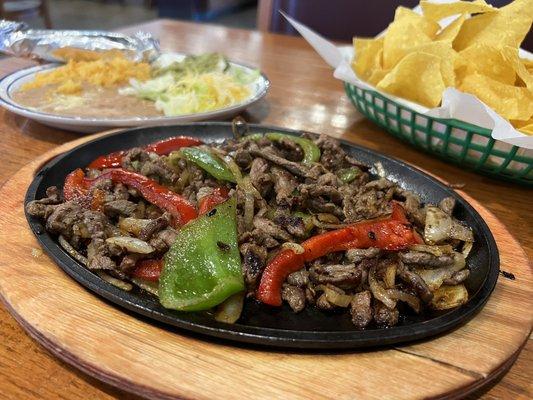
(77,186)
(162,147)
(392,233)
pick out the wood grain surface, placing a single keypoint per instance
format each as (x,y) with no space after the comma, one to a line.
(304,95)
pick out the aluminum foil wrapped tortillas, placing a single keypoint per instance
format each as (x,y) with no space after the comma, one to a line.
(56,46)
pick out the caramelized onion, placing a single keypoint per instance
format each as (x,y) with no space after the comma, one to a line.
(413,301)
(447,297)
(133,225)
(114,281)
(297,248)
(335,295)
(131,244)
(230,310)
(72,251)
(437,251)
(150,287)
(379,292)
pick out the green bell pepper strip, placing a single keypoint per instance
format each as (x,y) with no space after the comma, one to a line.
(253,136)
(307,220)
(209,162)
(203,266)
(349,174)
(311,150)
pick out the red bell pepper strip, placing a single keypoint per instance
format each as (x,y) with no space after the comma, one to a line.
(207,203)
(162,147)
(149,270)
(181,209)
(75,186)
(391,233)
(167,146)
(112,160)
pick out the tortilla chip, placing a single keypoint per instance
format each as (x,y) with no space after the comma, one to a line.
(408,29)
(528,129)
(438,11)
(416,77)
(524,126)
(511,56)
(507,27)
(377,75)
(509,101)
(447,56)
(449,33)
(488,61)
(368,56)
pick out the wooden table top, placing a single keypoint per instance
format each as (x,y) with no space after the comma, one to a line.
(304,95)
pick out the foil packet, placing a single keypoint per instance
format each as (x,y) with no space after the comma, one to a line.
(59,45)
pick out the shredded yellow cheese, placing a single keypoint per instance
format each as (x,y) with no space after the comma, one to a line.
(70,78)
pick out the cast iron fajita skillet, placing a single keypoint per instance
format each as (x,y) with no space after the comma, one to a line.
(260,324)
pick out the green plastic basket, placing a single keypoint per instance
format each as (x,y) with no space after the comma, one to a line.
(451,140)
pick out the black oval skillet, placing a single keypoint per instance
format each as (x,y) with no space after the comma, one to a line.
(259,324)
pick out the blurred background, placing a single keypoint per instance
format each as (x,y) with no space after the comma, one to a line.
(336,19)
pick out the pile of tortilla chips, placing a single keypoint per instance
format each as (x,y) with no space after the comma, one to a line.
(477,53)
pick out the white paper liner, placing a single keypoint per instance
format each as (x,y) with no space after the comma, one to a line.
(455,104)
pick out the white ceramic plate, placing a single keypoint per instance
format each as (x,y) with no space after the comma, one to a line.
(11,83)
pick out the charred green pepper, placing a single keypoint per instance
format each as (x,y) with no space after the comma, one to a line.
(209,162)
(203,266)
(347,175)
(310,150)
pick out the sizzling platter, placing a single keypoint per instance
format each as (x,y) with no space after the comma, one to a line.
(280,326)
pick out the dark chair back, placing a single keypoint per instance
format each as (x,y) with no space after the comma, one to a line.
(342,19)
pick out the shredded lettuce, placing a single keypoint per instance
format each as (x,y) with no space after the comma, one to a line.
(193,85)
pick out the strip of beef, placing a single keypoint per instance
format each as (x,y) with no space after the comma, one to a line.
(120,192)
(98,256)
(370,201)
(128,262)
(384,316)
(299,278)
(162,240)
(358,255)
(289,150)
(426,259)
(284,185)
(291,166)
(149,164)
(271,229)
(458,277)
(291,223)
(293,295)
(346,276)
(329,179)
(333,156)
(331,193)
(412,205)
(123,208)
(63,217)
(154,226)
(253,263)
(243,158)
(361,310)
(416,282)
(44,207)
(260,176)
(260,238)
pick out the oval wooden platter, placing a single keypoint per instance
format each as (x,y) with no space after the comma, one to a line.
(160,362)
